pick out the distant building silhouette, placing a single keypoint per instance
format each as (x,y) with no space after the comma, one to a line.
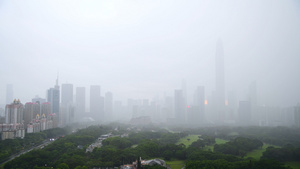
(53,97)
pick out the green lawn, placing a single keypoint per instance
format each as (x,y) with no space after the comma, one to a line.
(293,164)
(218,141)
(185,141)
(175,164)
(195,138)
(134,146)
(256,154)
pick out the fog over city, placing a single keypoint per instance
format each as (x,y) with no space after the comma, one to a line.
(145,49)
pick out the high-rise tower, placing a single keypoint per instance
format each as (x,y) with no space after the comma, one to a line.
(53,97)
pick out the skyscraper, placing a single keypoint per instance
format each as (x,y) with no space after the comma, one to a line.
(9,93)
(53,97)
(220,83)
(80,102)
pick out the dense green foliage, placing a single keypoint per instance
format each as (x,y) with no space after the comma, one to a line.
(239,146)
(223,164)
(70,151)
(271,135)
(286,153)
(203,141)
(63,150)
(9,147)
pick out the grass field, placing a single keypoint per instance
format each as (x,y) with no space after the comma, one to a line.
(218,141)
(185,141)
(256,154)
(134,146)
(293,164)
(175,164)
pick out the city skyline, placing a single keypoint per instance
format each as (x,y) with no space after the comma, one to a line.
(134,52)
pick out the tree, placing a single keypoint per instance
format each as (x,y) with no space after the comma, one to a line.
(62,166)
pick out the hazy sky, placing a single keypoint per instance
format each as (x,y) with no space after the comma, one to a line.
(139,49)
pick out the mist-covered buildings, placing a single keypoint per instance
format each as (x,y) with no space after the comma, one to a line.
(96,102)
(13,126)
(53,97)
(67,107)
(80,101)
(177,108)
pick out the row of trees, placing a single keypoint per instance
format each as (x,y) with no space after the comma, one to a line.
(286,153)
(9,147)
(271,135)
(69,150)
(239,146)
(223,164)
(66,152)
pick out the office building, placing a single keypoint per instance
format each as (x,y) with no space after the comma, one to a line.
(53,96)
